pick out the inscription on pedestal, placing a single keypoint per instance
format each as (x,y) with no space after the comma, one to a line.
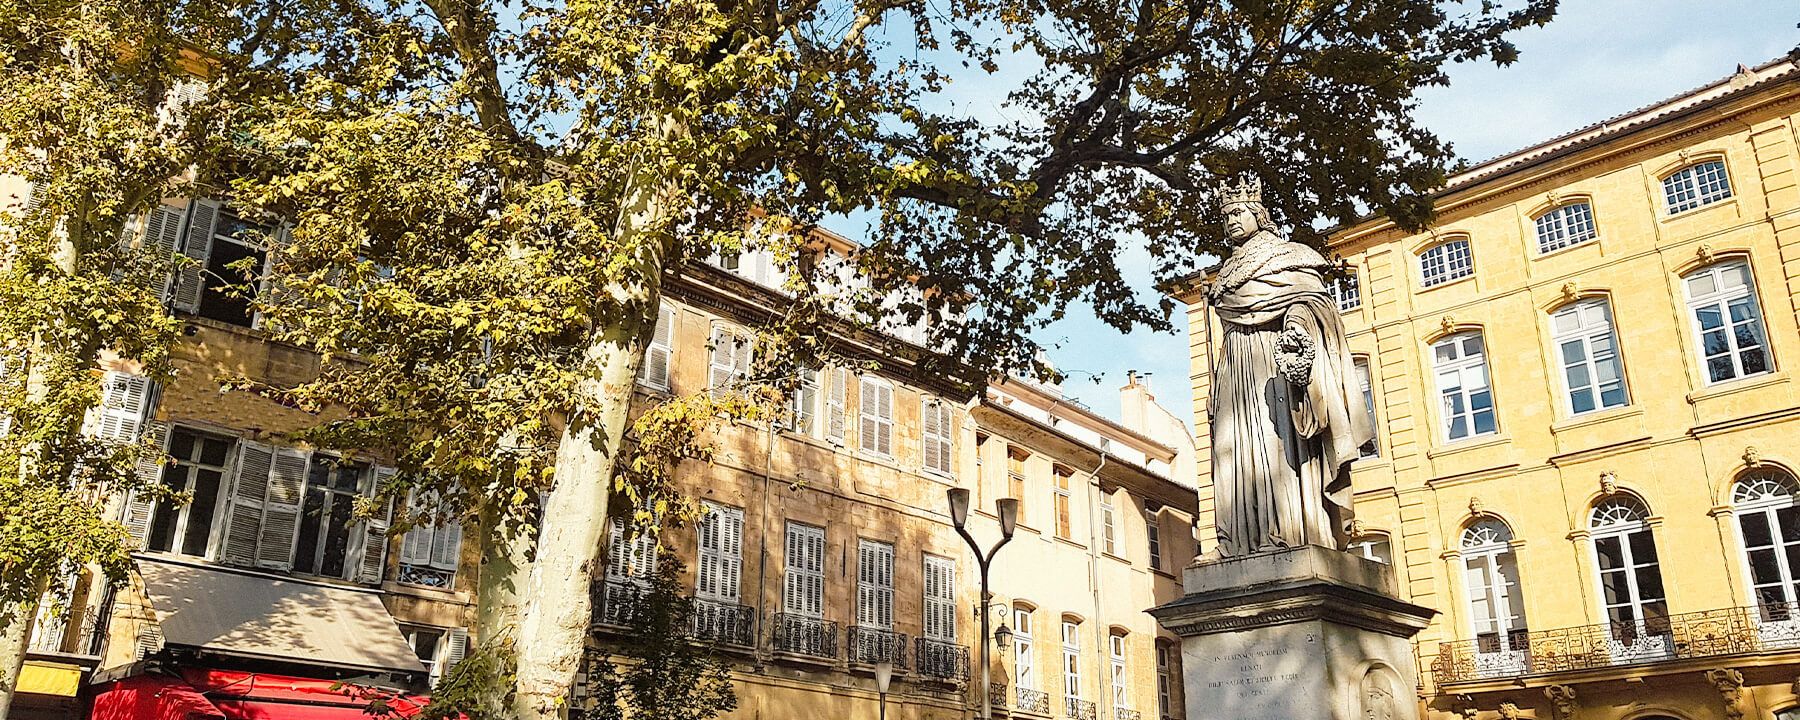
(1259,679)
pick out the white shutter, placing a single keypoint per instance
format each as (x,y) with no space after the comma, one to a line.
(721,554)
(415,547)
(281,509)
(456,647)
(138,508)
(931,452)
(836,420)
(185,94)
(655,371)
(124,400)
(635,560)
(375,537)
(446,546)
(249,490)
(804,590)
(876,430)
(162,235)
(267,287)
(196,244)
(33,198)
(940,598)
(723,362)
(875,585)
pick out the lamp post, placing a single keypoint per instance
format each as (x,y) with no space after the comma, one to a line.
(884,676)
(1008,509)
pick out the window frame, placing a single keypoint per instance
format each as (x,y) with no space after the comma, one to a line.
(222,501)
(875,429)
(365,478)
(1586,335)
(1071,658)
(1024,665)
(1346,291)
(1768,508)
(1689,172)
(1556,220)
(1624,533)
(1493,552)
(1447,273)
(1720,300)
(1109,527)
(1062,501)
(1153,539)
(803,574)
(1121,692)
(1461,364)
(1363,367)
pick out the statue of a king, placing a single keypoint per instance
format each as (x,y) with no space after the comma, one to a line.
(1287,413)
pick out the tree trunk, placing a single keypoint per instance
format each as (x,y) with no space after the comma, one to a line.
(555,609)
(15,637)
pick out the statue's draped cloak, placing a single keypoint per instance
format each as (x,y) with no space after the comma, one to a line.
(1281,452)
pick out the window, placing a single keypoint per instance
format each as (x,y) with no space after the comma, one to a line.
(1165,680)
(1061,499)
(1446,261)
(1491,578)
(730,361)
(327,520)
(1769,525)
(631,554)
(198,469)
(124,403)
(1631,588)
(1695,186)
(721,554)
(1364,380)
(1372,547)
(1566,226)
(1121,698)
(804,590)
(659,356)
(875,585)
(1071,658)
(1346,291)
(1589,353)
(836,418)
(1024,677)
(439,649)
(1727,324)
(1153,532)
(430,552)
(1462,377)
(877,416)
(803,404)
(939,448)
(981,478)
(940,598)
(1015,477)
(1109,543)
(216,239)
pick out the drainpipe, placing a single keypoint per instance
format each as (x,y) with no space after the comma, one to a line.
(762,562)
(1101,632)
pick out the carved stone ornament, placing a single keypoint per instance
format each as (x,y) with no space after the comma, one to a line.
(1609,483)
(1730,684)
(1570,290)
(1476,506)
(1448,323)
(1752,456)
(1358,528)
(1705,252)
(1509,711)
(1465,706)
(1562,701)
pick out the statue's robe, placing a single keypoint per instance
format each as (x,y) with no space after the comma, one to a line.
(1281,451)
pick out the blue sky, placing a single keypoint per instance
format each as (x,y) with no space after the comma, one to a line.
(1599,58)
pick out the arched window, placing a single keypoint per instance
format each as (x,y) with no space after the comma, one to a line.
(1728,327)
(1565,226)
(1446,261)
(1695,186)
(1496,613)
(1769,525)
(1631,587)
(1121,694)
(1588,351)
(1462,377)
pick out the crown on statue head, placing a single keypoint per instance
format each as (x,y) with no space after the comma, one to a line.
(1245,188)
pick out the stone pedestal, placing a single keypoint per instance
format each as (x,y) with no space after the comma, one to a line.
(1306,633)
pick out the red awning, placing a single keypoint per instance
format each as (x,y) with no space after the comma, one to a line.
(259,696)
(152,697)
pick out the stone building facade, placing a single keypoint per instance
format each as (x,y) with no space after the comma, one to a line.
(1580,376)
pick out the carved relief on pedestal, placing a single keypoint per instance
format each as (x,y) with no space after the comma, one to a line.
(1379,697)
(1730,684)
(1562,701)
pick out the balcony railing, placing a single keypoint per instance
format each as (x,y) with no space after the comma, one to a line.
(1710,633)
(1078,709)
(941,660)
(615,601)
(1033,701)
(724,623)
(872,645)
(1120,713)
(997,695)
(802,635)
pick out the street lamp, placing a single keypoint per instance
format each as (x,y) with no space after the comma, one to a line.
(884,676)
(1008,508)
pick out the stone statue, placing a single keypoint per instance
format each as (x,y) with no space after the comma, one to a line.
(1287,412)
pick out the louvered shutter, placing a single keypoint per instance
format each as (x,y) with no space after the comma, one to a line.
(456,647)
(723,362)
(836,404)
(726,554)
(706,579)
(375,537)
(931,452)
(655,371)
(617,563)
(446,546)
(196,243)
(866,428)
(269,288)
(804,591)
(138,508)
(33,198)
(185,94)
(281,509)
(162,235)
(249,490)
(940,598)
(124,401)
(875,585)
(415,546)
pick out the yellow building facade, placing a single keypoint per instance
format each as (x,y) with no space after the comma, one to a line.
(1582,381)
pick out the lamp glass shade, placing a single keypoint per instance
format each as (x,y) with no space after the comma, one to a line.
(959,505)
(884,676)
(1009,514)
(1003,638)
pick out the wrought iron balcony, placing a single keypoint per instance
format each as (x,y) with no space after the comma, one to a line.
(724,623)
(872,645)
(997,695)
(939,660)
(802,635)
(1120,713)
(1710,633)
(615,601)
(1078,709)
(1034,701)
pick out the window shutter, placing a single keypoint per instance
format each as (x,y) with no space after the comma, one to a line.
(804,591)
(724,363)
(884,410)
(875,585)
(706,579)
(930,452)
(655,371)
(616,560)
(375,536)
(196,244)
(139,508)
(415,547)
(446,546)
(33,198)
(940,598)
(185,94)
(162,234)
(281,510)
(731,554)
(456,647)
(124,399)
(249,491)
(268,288)
(835,404)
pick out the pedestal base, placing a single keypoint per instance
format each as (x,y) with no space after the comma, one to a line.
(1306,633)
